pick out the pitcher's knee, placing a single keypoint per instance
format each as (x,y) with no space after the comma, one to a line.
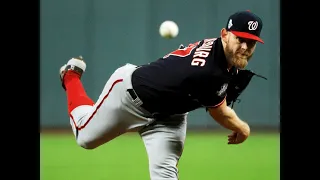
(87,143)
(164,170)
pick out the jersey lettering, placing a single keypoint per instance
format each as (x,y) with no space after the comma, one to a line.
(202,52)
(183,52)
(198,62)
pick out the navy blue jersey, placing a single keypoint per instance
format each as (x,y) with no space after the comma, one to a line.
(184,80)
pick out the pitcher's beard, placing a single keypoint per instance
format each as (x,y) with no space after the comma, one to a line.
(239,63)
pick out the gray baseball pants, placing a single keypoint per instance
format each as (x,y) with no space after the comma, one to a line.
(115,113)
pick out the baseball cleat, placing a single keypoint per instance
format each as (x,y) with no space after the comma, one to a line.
(76,65)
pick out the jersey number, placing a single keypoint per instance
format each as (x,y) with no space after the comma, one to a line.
(183,52)
(186,52)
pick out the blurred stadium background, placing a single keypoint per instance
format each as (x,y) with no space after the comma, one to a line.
(110,33)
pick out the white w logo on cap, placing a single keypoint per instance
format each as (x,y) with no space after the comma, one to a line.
(253,25)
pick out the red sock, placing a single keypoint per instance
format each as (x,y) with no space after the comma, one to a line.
(76,95)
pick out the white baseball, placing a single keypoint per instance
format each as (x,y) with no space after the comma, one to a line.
(169,29)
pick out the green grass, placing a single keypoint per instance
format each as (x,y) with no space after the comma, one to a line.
(206,156)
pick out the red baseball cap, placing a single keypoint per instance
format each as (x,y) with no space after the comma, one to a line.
(245,24)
